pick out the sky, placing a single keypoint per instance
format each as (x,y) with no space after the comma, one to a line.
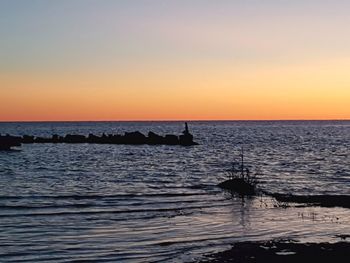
(84,60)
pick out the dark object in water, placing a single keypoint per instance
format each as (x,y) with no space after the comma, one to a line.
(318,200)
(7,142)
(282,251)
(155,139)
(186,139)
(132,138)
(239,186)
(240,180)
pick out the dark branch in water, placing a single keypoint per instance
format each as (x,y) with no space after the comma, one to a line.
(240,179)
(318,200)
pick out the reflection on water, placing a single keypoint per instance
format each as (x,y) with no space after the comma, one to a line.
(161,203)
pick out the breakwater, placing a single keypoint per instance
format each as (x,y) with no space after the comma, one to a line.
(6,142)
(132,138)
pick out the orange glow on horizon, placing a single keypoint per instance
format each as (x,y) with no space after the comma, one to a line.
(308,91)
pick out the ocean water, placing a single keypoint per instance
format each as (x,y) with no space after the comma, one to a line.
(110,203)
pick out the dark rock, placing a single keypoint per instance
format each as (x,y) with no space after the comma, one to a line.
(116,139)
(187,140)
(93,139)
(56,138)
(239,186)
(75,139)
(134,138)
(27,139)
(42,140)
(154,139)
(171,140)
(6,142)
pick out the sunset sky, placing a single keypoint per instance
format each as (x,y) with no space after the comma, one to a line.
(174,60)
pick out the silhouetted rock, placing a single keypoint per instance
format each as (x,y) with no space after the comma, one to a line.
(171,139)
(56,138)
(117,139)
(93,139)
(27,139)
(134,138)
(154,139)
(6,142)
(42,140)
(187,140)
(74,139)
(239,186)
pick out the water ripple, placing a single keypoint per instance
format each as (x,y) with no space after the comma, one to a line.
(82,203)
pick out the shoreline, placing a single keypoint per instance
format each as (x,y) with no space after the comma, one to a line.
(274,251)
(315,200)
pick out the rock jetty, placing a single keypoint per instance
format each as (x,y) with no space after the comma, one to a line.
(132,138)
(7,142)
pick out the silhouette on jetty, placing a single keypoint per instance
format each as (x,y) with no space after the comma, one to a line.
(7,142)
(240,180)
(132,138)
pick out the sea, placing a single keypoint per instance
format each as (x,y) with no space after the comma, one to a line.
(143,203)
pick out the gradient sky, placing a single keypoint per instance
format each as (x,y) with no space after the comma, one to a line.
(174,60)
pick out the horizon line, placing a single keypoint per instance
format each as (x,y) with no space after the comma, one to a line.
(180,120)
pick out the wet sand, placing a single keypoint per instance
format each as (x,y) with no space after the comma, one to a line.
(282,251)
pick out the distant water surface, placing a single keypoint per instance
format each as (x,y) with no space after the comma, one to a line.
(160,203)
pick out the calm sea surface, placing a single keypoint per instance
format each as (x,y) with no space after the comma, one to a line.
(160,203)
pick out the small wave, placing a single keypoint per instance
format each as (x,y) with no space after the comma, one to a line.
(97,205)
(78,197)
